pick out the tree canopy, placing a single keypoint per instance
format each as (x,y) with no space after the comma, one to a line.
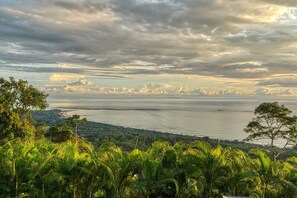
(73,122)
(75,169)
(273,121)
(17,101)
(20,97)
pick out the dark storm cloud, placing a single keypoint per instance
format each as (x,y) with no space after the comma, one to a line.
(203,37)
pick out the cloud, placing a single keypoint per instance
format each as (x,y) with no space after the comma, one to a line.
(64,65)
(288,80)
(85,86)
(247,39)
(252,70)
(274,92)
(290,3)
(81,82)
(60,77)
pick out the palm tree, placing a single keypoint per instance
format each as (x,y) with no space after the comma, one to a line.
(41,153)
(289,179)
(71,166)
(208,166)
(241,178)
(117,169)
(6,169)
(21,158)
(269,175)
(157,174)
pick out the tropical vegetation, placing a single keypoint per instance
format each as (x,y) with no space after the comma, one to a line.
(75,169)
(54,161)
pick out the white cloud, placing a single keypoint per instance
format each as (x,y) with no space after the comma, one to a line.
(60,77)
(274,92)
(64,65)
(263,91)
(252,70)
(81,82)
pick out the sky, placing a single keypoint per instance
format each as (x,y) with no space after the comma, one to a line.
(184,47)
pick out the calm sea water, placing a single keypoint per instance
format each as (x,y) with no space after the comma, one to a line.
(216,117)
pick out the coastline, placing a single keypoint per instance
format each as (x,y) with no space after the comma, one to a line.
(64,114)
(221,118)
(94,130)
(130,138)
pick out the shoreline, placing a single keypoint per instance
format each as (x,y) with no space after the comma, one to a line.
(64,114)
(130,138)
(262,143)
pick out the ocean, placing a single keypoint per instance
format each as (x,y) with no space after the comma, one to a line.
(215,117)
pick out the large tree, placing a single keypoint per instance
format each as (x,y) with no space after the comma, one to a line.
(273,121)
(20,97)
(17,100)
(10,125)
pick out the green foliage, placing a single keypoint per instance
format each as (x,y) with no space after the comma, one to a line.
(59,133)
(12,126)
(66,131)
(20,97)
(69,166)
(273,121)
(75,169)
(74,121)
(17,101)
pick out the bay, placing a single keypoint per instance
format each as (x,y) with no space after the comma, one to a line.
(215,117)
